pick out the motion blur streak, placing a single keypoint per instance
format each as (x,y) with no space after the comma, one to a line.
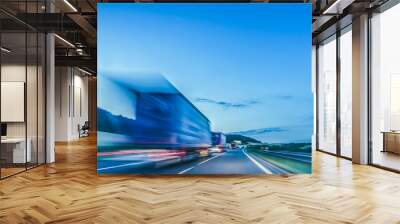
(159,127)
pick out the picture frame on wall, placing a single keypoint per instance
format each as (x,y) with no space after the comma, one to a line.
(204,89)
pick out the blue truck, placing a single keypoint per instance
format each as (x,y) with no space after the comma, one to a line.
(218,140)
(162,119)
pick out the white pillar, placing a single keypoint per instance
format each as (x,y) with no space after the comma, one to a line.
(360,90)
(314,92)
(50,98)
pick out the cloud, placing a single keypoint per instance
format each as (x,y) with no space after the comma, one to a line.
(228,105)
(285,97)
(259,131)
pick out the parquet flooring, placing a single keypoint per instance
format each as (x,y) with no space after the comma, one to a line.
(70,191)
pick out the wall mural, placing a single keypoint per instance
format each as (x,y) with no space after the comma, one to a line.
(204,88)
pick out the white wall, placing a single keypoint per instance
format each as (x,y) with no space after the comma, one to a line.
(9,73)
(17,73)
(71,102)
(80,112)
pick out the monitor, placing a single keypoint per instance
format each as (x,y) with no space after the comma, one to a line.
(3,129)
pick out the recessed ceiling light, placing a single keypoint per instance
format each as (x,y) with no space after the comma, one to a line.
(337,7)
(84,71)
(64,40)
(5,50)
(70,5)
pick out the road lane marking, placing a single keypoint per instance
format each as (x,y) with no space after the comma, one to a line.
(209,159)
(186,170)
(118,166)
(265,170)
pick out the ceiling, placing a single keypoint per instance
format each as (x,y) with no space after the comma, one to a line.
(75,22)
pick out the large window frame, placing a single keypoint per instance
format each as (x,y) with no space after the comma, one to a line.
(381,9)
(325,142)
(337,38)
(387,5)
(344,81)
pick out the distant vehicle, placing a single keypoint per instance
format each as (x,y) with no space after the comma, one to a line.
(204,152)
(236,144)
(217,149)
(218,142)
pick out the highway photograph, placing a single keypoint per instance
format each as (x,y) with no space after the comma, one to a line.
(230,161)
(198,100)
(167,134)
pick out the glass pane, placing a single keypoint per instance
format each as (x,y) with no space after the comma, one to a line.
(13,88)
(41,98)
(31,87)
(327,96)
(31,98)
(346,94)
(22,89)
(386,89)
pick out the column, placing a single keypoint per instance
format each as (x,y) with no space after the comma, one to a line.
(360,90)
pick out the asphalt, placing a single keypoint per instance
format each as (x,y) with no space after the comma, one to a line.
(235,161)
(230,162)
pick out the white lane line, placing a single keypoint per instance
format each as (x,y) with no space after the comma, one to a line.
(123,165)
(184,171)
(209,159)
(265,170)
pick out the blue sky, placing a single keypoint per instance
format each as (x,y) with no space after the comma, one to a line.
(247,67)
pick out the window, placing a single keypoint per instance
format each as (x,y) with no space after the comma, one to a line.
(327,95)
(346,92)
(385,89)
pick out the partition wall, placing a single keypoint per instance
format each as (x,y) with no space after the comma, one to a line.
(22,76)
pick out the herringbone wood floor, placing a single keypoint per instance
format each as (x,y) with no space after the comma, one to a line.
(70,191)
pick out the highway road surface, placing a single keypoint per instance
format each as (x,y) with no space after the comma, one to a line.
(235,161)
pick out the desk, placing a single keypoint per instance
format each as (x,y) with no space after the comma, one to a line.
(391,141)
(16,153)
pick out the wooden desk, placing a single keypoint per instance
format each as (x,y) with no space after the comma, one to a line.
(391,141)
(13,150)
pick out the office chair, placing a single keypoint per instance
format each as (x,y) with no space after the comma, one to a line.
(84,130)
